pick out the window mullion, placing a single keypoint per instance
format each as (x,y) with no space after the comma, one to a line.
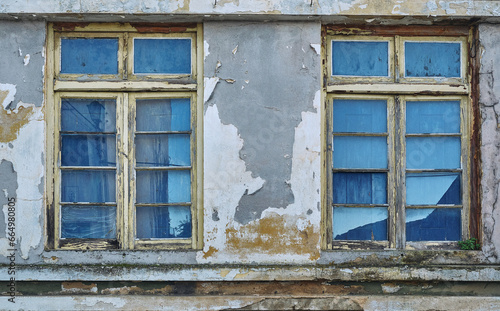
(399,176)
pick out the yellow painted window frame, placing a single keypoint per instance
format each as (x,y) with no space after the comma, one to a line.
(400,89)
(124,90)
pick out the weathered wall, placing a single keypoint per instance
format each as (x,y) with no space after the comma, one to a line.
(22,132)
(490,138)
(262,142)
(288,7)
(262,168)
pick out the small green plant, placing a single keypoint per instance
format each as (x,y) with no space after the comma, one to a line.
(470,244)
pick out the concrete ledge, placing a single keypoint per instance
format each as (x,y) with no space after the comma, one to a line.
(251,273)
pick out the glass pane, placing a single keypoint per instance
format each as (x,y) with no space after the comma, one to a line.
(433,224)
(89,222)
(359,152)
(360,223)
(163,186)
(88,186)
(162,150)
(360,58)
(162,56)
(358,116)
(88,150)
(164,114)
(433,117)
(433,188)
(432,152)
(89,55)
(88,115)
(432,59)
(163,222)
(362,188)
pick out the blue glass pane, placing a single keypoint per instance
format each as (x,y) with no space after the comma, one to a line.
(432,117)
(88,150)
(163,114)
(88,115)
(163,186)
(362,188)
(433,188)
(432,152)
(162,56)
(360,58)
(433,224)
(360,223)
(359,152)
(162,150)
(89,222)
(432,59)
(163,222)
(88,186)
(358,116)
(89,56)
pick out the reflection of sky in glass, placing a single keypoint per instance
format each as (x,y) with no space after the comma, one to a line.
(346,219)
(432,188)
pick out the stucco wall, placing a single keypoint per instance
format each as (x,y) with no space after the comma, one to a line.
(262,168)
(490,138)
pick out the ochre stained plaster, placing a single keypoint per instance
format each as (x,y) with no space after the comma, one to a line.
(274,234)
(11,122)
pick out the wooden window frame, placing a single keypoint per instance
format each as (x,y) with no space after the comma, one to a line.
(125,87)
(400,89)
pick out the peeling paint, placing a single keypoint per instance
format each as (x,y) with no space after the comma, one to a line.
(26,60)
(206,51)
(7,94)
(24,129)
(228,179)
(209,85)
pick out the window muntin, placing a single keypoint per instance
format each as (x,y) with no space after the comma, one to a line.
(425,197)
(125,170)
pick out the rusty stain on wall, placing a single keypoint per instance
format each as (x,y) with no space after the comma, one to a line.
(274,235)
(11,122)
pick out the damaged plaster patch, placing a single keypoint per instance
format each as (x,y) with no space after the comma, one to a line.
(26,60)
(316,47)
(226,179)
(7,94)
(205,49)
(209,87)
(24,129)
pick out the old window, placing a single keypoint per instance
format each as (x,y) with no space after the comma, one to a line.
(398,138)
(124,134)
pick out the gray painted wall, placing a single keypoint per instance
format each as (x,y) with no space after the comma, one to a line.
(261,154)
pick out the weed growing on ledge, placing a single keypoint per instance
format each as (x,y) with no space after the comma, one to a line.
(470,244)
